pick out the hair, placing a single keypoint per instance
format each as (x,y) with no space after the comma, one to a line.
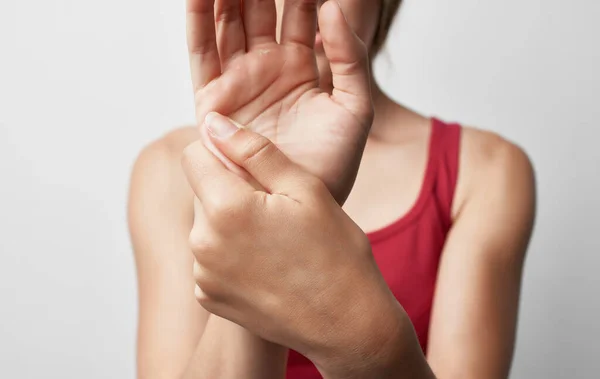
(387,12)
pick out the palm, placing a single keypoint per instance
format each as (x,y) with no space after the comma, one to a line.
(273,88)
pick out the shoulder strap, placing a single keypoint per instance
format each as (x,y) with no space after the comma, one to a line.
(446,152)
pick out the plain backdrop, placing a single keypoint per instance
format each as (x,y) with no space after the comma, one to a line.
(84,85)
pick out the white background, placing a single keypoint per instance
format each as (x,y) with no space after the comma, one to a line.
(85,84)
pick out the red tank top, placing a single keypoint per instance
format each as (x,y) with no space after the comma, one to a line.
(408,251)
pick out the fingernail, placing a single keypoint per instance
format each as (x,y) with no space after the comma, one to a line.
(220,126)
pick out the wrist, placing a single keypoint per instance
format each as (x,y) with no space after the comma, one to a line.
(240,338)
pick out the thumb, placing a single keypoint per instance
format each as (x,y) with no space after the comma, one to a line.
(257,155)
(348,58)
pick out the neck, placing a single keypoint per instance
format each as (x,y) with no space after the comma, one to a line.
(390,117)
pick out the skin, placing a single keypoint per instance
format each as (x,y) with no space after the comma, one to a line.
(477,288)
(239,69)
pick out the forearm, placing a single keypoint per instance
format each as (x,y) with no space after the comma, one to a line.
(383,345)
(398,362)
(228,351)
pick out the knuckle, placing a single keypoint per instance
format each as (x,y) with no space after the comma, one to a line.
(204,283)
(203,48)
(205,300)
(227,13)
(197,270)
(256,149)
(221,210)
(208,291)
(216,204)
(201,296)
(226,213)
(198,242)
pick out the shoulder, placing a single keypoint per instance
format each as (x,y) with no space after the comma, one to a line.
(159,162)
(495,175)
(488,160)
(158,185)
(163,152)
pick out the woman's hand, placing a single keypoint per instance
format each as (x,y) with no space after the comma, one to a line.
(240,70)
(284,261)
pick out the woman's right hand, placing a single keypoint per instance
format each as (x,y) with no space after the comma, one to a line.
(240,70)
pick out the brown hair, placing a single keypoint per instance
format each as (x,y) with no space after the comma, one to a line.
(388,11)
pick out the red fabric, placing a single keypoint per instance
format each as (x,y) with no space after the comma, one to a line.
(408,251)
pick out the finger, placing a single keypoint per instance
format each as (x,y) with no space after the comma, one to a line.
(212,182)
(239,171)
(348,58)
(231,38)
(260,21)
(299,24)
(257,155)
(202,43)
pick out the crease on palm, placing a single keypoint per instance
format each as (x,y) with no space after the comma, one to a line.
(273,89)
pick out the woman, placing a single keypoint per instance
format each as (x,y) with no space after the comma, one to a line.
(255,224)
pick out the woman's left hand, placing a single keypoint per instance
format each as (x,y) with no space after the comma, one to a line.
(285,261)
(272,87)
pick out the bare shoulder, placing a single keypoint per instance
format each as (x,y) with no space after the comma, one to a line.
(158,166)
(177,139)
(494,172)
(169,146)
(158,187)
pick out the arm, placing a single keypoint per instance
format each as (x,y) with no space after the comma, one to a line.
(177,338)
(294,299)
(474,318)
